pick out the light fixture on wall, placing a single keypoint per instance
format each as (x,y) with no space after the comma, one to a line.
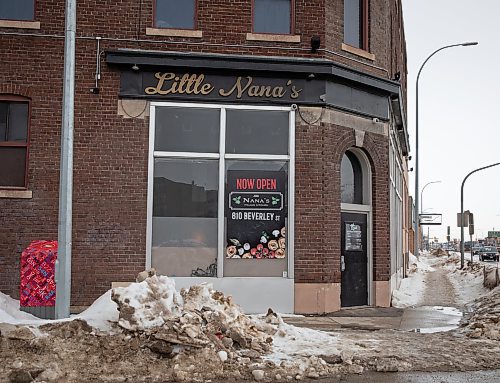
(315,43)
(135,67)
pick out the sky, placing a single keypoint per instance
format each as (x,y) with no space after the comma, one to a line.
(459,97)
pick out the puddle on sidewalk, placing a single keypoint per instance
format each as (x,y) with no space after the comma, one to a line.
(431,319)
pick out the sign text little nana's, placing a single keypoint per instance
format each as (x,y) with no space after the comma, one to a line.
(195,84)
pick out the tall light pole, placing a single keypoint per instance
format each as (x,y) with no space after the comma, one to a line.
(462,245)
(417,220)
(422,206)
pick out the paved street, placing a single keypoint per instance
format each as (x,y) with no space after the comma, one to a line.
(424,377)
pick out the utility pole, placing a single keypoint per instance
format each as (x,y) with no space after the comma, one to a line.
(63,263)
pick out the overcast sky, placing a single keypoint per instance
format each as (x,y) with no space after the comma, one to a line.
(459,105)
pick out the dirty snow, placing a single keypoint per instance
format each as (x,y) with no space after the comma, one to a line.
(155,333)
(412,288)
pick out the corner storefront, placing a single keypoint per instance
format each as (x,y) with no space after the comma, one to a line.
(268,177)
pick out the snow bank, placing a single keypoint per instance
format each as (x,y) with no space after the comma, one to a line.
(484,321)
(101,314)
(412,288)
(10,311)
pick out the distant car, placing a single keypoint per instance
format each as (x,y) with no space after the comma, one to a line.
(476,250)
(490,253)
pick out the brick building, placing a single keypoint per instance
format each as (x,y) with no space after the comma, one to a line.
(260,145)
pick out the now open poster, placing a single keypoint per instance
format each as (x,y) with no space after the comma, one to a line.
(256,210)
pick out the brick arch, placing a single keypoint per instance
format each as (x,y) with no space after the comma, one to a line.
(376,149)
(16,90)
(369,148)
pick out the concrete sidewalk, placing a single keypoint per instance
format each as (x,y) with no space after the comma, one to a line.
(420,319)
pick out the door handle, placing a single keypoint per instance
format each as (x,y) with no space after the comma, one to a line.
(342,263)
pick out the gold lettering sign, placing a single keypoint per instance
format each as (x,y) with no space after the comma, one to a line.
(187,84)
(170,83)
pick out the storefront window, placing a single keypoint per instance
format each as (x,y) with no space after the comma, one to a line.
(185,217)
(257,132)
(196,226)
(187,130)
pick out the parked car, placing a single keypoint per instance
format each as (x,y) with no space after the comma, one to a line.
(490,253)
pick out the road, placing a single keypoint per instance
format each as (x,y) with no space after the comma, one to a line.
(423,377)
(491,376)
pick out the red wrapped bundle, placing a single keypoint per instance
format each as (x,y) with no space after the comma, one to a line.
(38,287)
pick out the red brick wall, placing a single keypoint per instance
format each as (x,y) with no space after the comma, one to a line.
(110,152)
(319,151)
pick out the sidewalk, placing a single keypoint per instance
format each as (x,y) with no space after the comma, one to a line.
(419,319)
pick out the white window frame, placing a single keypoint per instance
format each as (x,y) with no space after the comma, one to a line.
(222,157)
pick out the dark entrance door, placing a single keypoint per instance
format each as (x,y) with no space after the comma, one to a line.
(354,260)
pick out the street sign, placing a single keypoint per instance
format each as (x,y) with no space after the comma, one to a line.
(430,219)
(465,220)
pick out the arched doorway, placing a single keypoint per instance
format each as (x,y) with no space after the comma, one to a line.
(356,257)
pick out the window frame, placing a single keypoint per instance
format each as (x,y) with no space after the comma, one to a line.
(22,20)
(16,144)
(195,19)
(292,21)
(364,26)
(222,156)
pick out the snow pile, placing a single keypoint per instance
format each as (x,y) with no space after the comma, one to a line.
(147,304)
(101,314)
(484,322)
(195,317)
(468,282)
(204,322)
(412,288)
(10,312)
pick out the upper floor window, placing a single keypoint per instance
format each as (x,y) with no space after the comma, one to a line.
(14,133)
(356,23)
(17,10)
(175,14)
(272,16)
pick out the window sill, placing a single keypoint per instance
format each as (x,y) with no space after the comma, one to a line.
(358,52)
(19,24)
(21,194)
(173,32)
(273,38)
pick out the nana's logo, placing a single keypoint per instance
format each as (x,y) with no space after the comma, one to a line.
(255,201)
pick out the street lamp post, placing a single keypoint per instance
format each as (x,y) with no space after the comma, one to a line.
(462,245)
(417,220)
(422,206)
